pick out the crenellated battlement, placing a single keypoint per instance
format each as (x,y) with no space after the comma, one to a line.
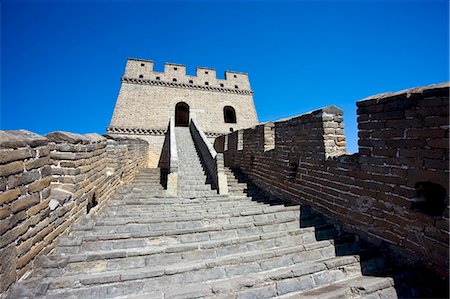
(175,74)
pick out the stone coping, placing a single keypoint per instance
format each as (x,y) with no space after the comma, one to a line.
(22,138)
(432,89)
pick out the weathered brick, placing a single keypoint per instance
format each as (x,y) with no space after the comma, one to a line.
(24,202)
(39,185)
(37,163)
(438,143)
(7,156)
(11,168)
(65,156)
(9,195)
(23,178)
(4,212)
(22,261)
(8,258)
(10,230)
(37,208)
(426,133)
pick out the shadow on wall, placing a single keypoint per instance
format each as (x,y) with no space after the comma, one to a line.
(358,256)
(409,281)
(164,160)
(329,241)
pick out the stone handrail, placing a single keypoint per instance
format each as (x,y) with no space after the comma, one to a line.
(172,178)
(214,161)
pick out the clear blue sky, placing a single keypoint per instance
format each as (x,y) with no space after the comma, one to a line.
(61,62)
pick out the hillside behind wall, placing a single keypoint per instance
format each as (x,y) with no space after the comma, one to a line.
(403,158)
(48,182)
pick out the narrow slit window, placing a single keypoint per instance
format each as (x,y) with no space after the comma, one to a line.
(141,76)
(206,83)
(158,78)
(174,80)
(142,64)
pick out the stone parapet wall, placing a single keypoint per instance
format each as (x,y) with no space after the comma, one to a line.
(48,182)
(394,192)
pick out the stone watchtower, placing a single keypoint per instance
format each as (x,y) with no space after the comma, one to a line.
(147,99)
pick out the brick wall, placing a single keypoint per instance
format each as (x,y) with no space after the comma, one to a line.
(47,182)
(388,192)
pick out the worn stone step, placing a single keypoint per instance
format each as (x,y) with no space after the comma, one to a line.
(184,227)
(268,257)
(195,188)
(195,276)
(196,212)
(194,194)
(256,241)
(355,287)
(112,237)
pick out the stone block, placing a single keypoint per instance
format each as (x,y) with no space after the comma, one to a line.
(65,156)
(100,278)
(94,137)
(20,138)
(142,274)
(39,185)
(269,291)
(8,260)
(204,275)
(37,163)
(24,202)
(23,179)
(11,168)
(8,155)
(10,195)
(25,259)
(61,137)
(199,291)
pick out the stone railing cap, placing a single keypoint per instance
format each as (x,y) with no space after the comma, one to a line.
(61,137)
(21,138)
(94,137)
(123,138)
(318,112)
(406,92)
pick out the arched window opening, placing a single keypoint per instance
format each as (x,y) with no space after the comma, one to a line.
(229,115)
(181,114)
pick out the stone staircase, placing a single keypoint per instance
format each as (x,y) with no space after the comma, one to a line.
(142,245)
(146,244)
(193,181)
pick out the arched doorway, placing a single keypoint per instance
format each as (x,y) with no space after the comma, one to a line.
(229,115)
(181,114)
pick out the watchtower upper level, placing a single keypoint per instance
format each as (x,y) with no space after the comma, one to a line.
(176,74)
(147,99)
